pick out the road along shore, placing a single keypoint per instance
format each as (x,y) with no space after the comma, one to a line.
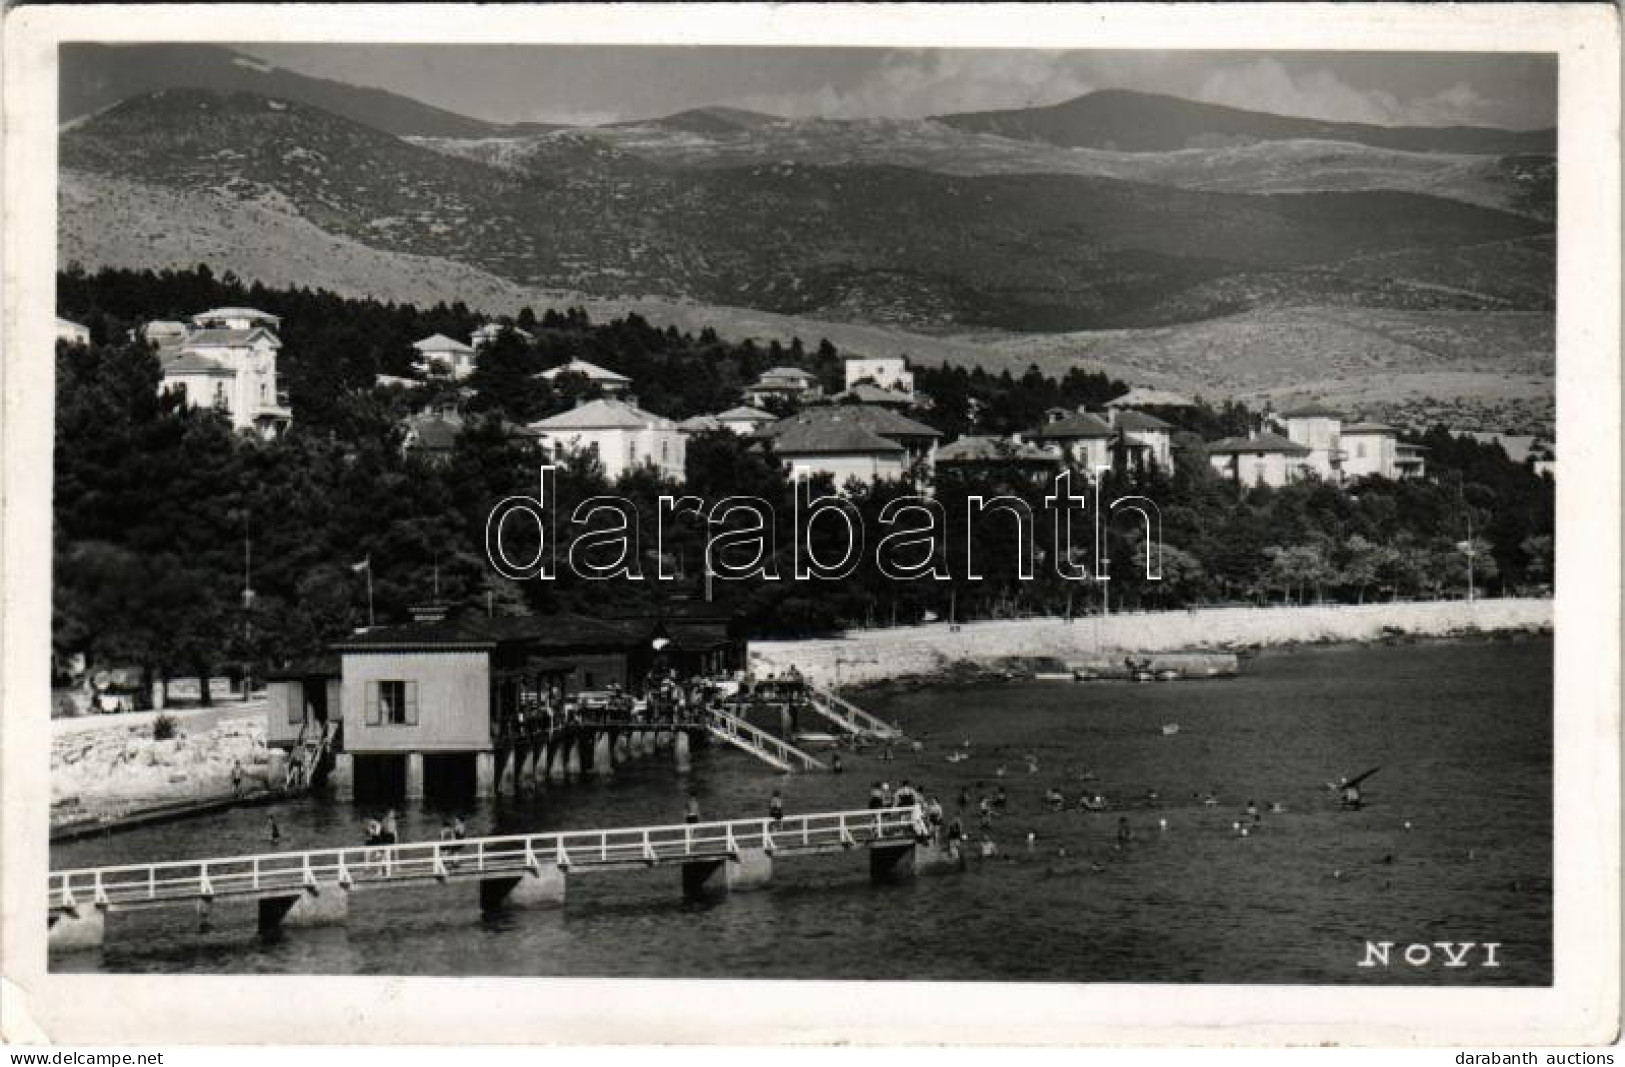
(867,656)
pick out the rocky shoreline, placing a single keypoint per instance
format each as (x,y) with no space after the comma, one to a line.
(108,769)
(939,653)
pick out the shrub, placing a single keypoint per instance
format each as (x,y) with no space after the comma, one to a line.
(164,728)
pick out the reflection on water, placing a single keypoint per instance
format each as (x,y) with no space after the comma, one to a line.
(1461,730)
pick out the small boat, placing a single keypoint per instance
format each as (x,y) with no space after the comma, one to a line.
(1144,676)
(1085,676)
(816,738)
(1170,728)
(1095,803)
(1054,676)
(1168,674)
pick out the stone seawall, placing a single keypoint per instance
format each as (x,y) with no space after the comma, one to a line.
(867,656)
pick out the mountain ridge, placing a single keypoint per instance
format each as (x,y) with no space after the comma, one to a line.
(1128,120)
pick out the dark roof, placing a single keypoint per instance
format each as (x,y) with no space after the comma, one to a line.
(434,434)
(866,393)
(318,666)
(1368,427)
(832,437)
(192,363)
(788,372)
(1264,442)
(1139,420)
(1312,411)
(214,336)
(473,631)
(992,450)
(1078,424)
(883,422)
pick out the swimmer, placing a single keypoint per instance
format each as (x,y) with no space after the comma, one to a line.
(1124,834)
(1244,831)
(1032,840)
(1210,801)
(1407,824)
(999,773)
(988,847)
(1151,794)
(1276,807)
(1162,824)
(1252,810)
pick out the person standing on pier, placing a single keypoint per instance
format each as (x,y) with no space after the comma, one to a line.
(693,809)
(775,808)
(237,779)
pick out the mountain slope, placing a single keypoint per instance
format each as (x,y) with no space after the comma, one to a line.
(857,242)
(97,76)
(1524,184)
(1149,122)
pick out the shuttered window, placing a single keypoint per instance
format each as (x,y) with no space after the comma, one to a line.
(296,702)
(392,703)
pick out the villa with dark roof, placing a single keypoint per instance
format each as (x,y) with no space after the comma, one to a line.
(1259,459)
(622,435)
(226,360)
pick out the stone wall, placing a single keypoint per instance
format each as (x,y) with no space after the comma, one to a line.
(874,655)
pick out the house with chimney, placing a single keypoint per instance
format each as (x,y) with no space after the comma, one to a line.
(605,380)
(623,437)
(440,356)
(1079,438)
(791,385)
(226,359)
(817,431)
(1319,429)
(1260,459)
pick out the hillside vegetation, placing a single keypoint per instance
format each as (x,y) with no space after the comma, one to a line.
(1039,252)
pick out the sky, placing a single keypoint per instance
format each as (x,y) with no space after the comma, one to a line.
(593,84)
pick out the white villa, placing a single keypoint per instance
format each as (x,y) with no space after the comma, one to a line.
(1082,438)
(622,435)
(227,360)
(784,383)
(888,372)
(72,332)
(1259,459)
(1155,436)
(744,419)
(440,356)
(1319,429)
(605,379)
(492,330)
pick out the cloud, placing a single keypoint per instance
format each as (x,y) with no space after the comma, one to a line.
(917,84)
(1268,85)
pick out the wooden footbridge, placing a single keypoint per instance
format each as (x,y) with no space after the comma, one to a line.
(528,870)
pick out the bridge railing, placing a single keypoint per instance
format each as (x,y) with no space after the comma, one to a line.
(269,873)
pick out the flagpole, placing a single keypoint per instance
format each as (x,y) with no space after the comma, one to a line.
(370,622)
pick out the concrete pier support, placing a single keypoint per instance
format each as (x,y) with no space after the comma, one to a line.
(622,745)
(81,927)
(681,747)
(530,758)
(505,771)
(485,774)
(324,904)
(892,863)
(572,757)
(603,754)
(276,766)
(541,888)
(753,869)
(342,776)
(414,776)
(786,722)
(556,758)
